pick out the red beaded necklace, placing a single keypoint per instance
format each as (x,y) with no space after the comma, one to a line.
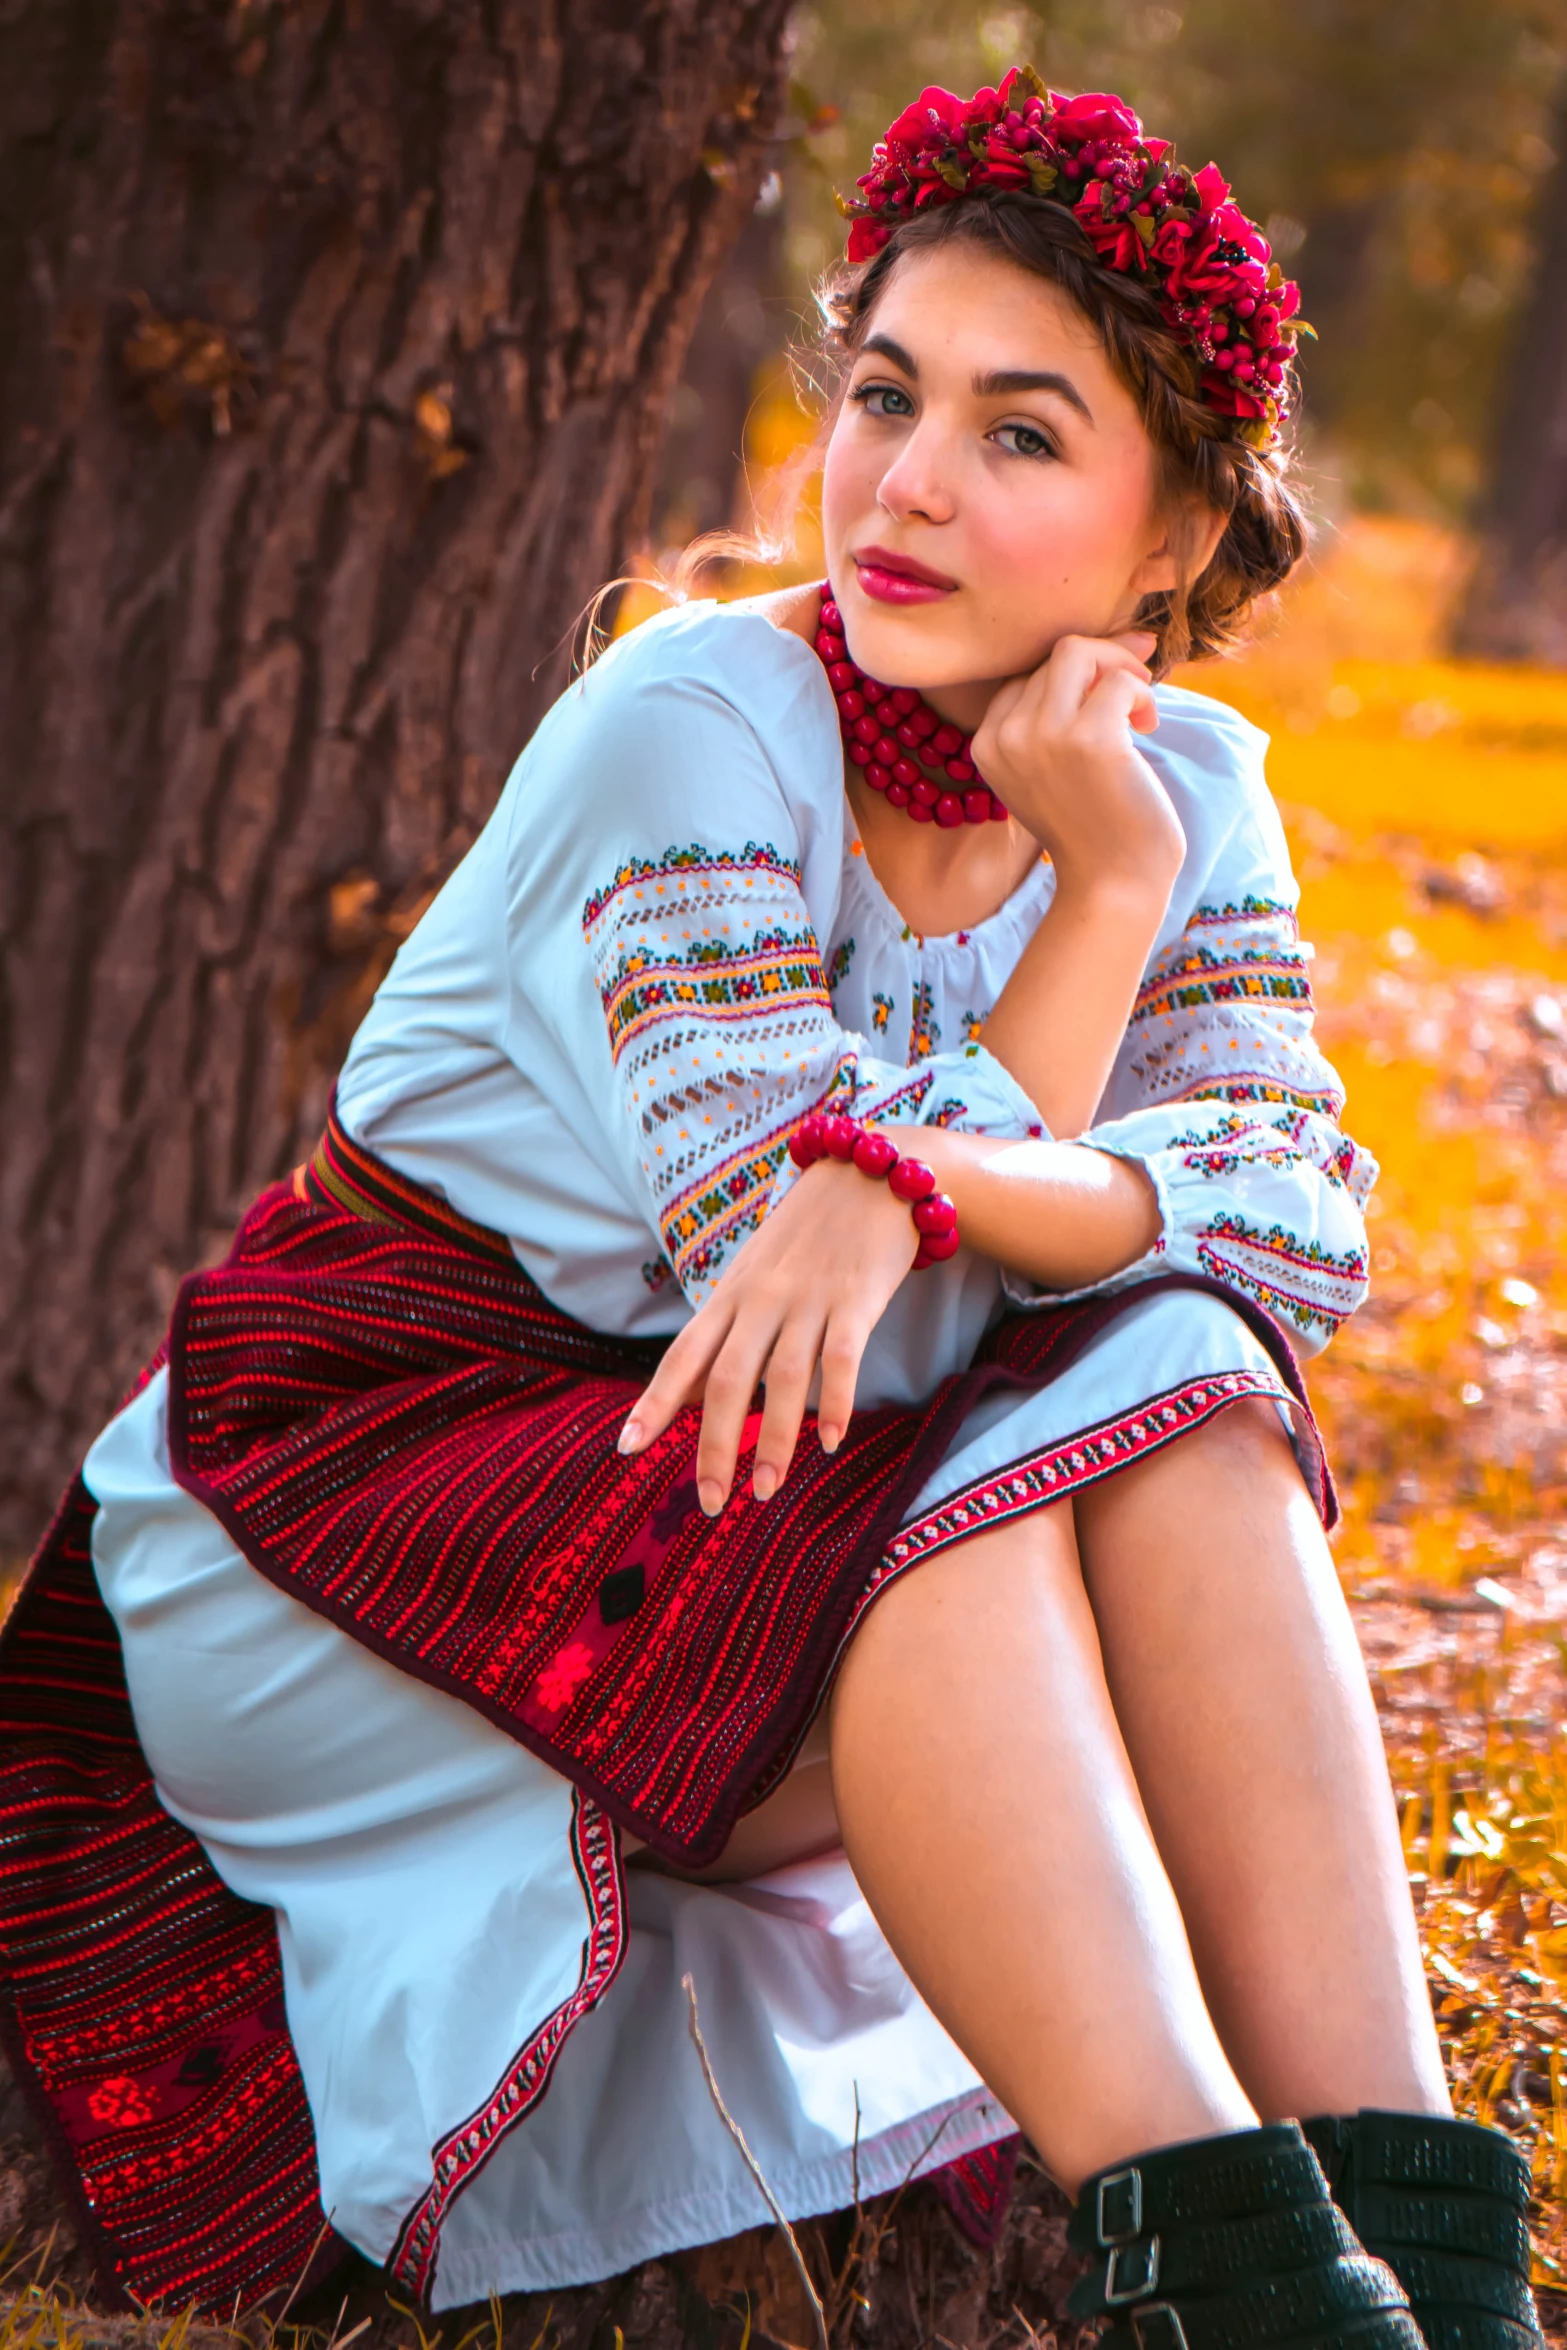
(893,735)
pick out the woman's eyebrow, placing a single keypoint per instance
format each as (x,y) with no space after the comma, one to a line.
(886,348)
(1026,379)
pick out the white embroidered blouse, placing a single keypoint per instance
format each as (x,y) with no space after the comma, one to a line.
(667,945)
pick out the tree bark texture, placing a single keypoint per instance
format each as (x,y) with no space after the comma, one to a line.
(335,340)
(744,328)
(1516,606)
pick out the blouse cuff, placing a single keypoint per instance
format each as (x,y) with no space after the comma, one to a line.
(1022,1293)
(980,1097)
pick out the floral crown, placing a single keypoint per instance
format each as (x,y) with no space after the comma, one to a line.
(1218,286)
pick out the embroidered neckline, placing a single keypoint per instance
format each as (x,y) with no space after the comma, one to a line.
(1030,898)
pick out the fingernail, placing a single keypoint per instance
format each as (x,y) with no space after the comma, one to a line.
(630,1437)
(830,1438)
(764,1481)
(711,1495)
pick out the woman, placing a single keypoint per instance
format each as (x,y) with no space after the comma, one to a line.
(756,1049)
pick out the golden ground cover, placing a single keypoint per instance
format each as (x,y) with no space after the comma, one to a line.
(1427,807)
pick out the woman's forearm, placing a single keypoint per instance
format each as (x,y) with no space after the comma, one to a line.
(1059,1021)
(1059,1213)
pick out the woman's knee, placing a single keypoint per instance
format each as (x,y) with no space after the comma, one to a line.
(1243,1456)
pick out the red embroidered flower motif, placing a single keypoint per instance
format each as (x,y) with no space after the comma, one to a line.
(122,2101)
(1144,213)
(563,1676)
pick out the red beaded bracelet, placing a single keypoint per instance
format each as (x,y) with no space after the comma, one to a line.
(823,1136)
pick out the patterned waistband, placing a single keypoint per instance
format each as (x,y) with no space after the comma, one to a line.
(343,1174)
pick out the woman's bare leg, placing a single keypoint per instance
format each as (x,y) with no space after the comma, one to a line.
(1241,1696)
(990,1812)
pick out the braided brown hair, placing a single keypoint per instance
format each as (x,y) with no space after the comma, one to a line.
(1200,459)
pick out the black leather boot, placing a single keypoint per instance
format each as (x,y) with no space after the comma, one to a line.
(1231,2243)
(1446,2205)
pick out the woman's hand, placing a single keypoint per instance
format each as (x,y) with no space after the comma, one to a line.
(1057,747)
(806,1289)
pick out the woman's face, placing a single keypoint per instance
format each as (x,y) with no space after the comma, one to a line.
(989,485)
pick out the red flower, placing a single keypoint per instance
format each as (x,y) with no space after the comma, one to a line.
(1097,115)
(866,239)
(1115,241)
(1202,271)
(1171,240)
(1227,398)
(1232,224)
(915,127)
(1003,171)
(1212,187)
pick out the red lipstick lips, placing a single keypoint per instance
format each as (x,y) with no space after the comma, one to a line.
(897,579)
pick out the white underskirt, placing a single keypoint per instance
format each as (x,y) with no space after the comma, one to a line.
(429,1914)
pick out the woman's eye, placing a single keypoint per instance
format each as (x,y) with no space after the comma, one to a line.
(883,400)
(1024,440)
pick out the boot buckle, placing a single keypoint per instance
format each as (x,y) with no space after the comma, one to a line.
(1158,2327)
(1131,2271)
(1119,2216)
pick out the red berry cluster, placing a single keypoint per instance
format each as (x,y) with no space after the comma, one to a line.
(893,736)
(824,1136)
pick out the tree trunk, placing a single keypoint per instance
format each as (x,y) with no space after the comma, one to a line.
(1516,607)
(334,343)
(744,325)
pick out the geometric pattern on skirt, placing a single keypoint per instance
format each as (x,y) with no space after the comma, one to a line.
(395,1426)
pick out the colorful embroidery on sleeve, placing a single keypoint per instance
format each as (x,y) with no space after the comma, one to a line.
(1296,1280)
(777,969)
(688,866)
(1221,1088)
(1225,1015)
(1251,974)
(721,1033)
(1247,909)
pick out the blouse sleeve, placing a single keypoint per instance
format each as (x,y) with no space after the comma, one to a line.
(1221,1092)
(707,963)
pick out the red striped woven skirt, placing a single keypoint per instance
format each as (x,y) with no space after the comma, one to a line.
(394,1425)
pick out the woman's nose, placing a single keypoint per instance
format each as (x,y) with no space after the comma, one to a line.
(915,484)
